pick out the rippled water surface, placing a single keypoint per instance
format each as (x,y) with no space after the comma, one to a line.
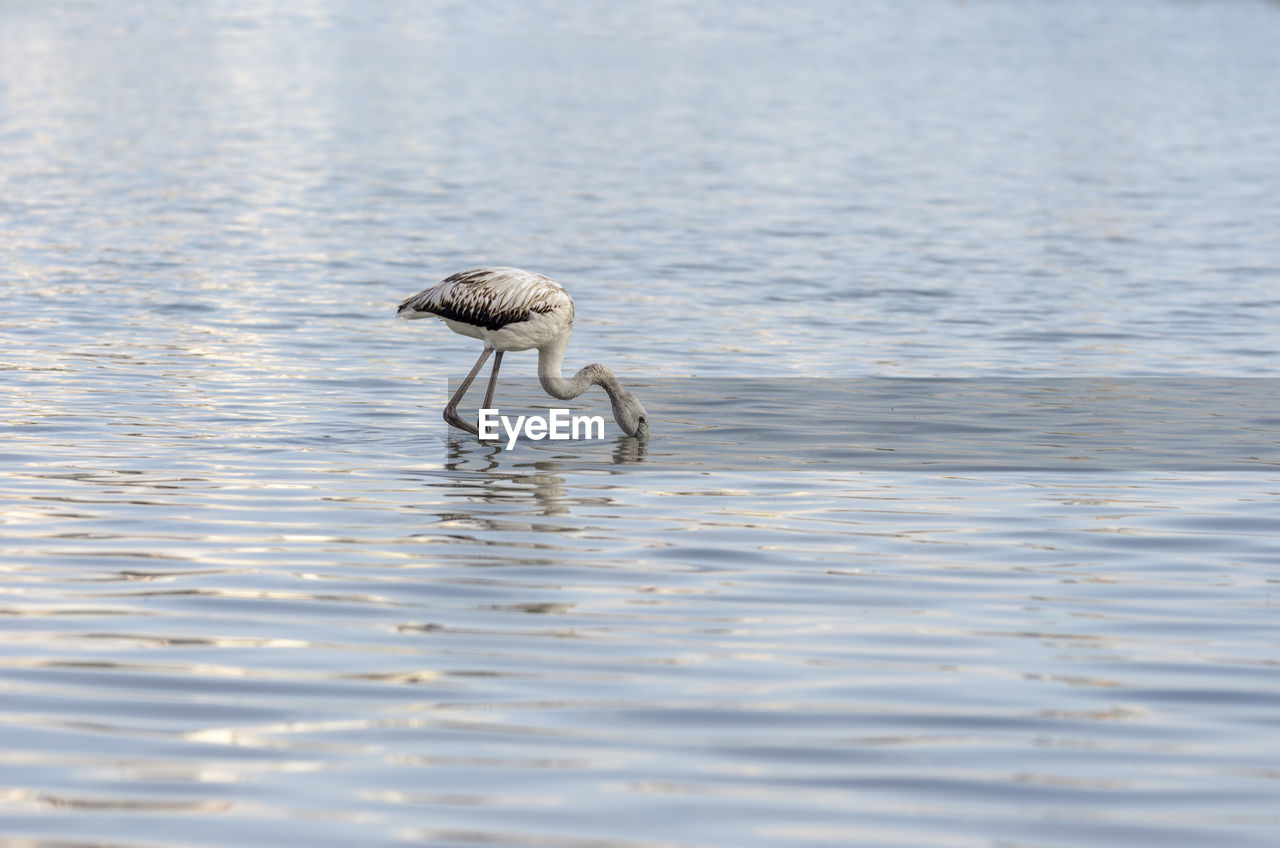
(957,323)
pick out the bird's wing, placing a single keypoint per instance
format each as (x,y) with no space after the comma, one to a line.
(488,297)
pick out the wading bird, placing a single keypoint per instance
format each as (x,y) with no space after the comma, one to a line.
(510,309)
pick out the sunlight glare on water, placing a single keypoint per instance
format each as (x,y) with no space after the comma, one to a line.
(956,323)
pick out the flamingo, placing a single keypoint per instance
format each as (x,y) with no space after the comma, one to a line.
(510,309)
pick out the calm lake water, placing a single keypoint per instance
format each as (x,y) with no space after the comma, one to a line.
(957,323)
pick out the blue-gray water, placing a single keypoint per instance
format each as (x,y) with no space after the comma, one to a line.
(958,327)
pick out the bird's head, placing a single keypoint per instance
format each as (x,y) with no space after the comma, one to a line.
(630,414)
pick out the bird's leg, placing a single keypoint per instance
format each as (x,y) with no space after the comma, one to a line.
(493,380)
(451,411)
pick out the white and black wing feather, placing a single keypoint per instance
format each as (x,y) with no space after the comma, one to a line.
(491,298)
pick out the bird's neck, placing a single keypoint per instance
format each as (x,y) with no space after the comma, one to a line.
(550,359)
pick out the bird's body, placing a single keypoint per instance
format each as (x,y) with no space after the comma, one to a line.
(507,308)
(510,310)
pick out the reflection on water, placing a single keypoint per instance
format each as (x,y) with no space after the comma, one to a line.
(467,454)
(957,526)
(532,639)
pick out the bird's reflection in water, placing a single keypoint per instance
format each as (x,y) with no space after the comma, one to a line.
(469,455)
(489,473)
(629,450)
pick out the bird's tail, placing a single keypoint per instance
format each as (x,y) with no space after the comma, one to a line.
(407,310)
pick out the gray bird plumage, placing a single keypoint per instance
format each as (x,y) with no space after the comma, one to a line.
(489,298)
(509,310)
